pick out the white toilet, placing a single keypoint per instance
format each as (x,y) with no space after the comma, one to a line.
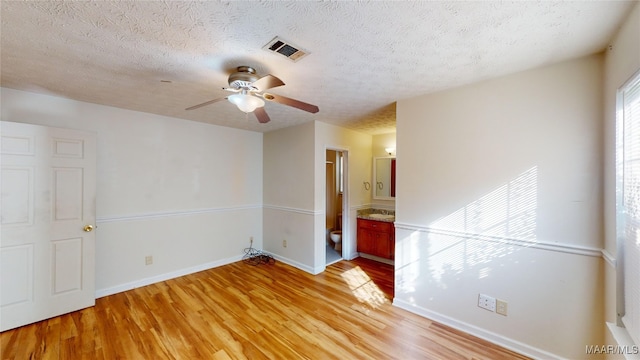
(336,237)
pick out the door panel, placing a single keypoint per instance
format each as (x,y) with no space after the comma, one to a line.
(48,196)
(67,194)
(67,265)
(17,196)
(23,144)
(17,274)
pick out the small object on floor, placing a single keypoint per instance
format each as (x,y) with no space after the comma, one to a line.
(257,257)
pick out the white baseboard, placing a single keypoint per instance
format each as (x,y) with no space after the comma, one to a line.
(378,259)
(497,339)
(352,255)
(296,264)
(162,277)
(623,341)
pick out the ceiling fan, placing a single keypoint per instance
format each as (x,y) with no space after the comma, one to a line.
(249,94)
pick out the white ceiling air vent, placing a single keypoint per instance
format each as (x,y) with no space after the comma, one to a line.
(286,49)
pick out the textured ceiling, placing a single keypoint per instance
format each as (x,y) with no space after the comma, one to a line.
(363,57)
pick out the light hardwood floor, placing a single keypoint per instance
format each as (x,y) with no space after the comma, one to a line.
(241,311)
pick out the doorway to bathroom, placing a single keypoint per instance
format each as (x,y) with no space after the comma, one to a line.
(336,206)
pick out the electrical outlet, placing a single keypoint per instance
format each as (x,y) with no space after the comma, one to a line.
(487,302)
(284,243)
(148,260)
(501,307)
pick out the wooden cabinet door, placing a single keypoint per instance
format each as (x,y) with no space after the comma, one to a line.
(366,239)
(382,246)
(376,238)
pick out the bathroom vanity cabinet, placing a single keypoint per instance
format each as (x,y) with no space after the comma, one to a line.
(376,238)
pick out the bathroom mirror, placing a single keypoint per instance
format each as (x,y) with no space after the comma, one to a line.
(384,178)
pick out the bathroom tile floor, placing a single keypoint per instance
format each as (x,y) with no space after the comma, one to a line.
(332,255)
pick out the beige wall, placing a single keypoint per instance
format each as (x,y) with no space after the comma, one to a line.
(379,143)
(382,141)
(288,167)
(189,194)
(499,192)
(289,203)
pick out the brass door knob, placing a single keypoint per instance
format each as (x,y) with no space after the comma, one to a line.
(88,228)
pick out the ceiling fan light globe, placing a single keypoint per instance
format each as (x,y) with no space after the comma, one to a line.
(246,103)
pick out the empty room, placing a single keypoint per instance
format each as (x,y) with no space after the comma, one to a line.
(319,180)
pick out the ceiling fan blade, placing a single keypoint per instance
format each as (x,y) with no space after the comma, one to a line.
(291,102)
(267,82)
(205,103)
(262,116)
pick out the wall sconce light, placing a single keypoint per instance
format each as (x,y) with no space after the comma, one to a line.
(390,150)
(245,102)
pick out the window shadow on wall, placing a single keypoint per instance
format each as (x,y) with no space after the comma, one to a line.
(469,239)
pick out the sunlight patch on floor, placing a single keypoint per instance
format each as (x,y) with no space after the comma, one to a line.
(363,288)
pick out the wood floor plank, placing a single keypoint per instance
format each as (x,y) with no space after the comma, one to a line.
(241,311)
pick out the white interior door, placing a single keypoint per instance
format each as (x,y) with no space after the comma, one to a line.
(47,243)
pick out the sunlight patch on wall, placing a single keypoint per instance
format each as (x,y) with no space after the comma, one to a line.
(410,270)
(485,229)
(508,211)
(450,255)
(473,240)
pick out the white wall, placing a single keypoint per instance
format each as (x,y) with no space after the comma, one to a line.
(294,190)
(622,60)
(289,203)
(189,194)
(499,192)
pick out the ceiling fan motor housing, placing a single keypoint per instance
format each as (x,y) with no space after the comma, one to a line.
(243,78)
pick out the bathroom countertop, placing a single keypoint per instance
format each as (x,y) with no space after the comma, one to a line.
(377,215)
